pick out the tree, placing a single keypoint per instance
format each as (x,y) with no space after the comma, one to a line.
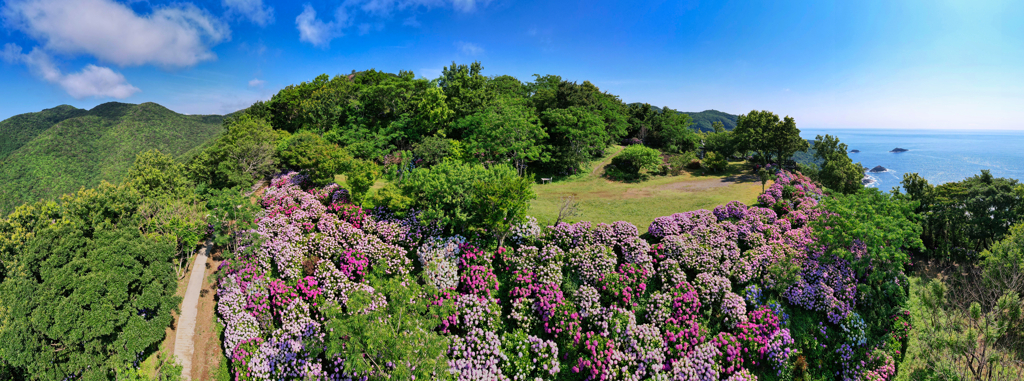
(91,293)
(715,162)
(507,131)
(461,196)
(887,229)
(721,142)
(773,139)
(502,203)
(574,134)
(312,155)
(464,89)
(962,219)
(838,172)
(154,173)
(244,154)
(673,129)
(633,159)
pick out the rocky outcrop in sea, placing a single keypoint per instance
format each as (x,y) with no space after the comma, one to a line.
(898,149)
(878,169)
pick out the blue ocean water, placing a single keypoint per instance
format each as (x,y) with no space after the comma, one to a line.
(940,156)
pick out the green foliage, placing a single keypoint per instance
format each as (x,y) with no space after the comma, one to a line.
(501,203)
(628,164)
(310,154)
(507,131)
(677,163)
(714,162)
(244,154)
(433,150)
(91,294)
(704,121)
(1003,263)
(400,334)
(720,142)
(230,212)
(838,172)
(90,147)
(575,135)
(460,196)
(962,219)
(888,228)
(773,140)
(18,130)
(360,176)
(673,131)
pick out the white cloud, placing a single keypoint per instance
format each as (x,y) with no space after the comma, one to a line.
(93,81)
(179,35)
(469,48)
(252,10)
(320,33)
(317,32)
(256,82)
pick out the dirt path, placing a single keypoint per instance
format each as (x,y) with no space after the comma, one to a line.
(186,327)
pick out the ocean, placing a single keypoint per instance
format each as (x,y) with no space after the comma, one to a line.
(940,156)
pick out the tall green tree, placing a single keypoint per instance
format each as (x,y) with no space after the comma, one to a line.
(311,154)
(575,134)
(84,292)
(674,132)
(773,139)
(962,219)
(507,131)
(838,172)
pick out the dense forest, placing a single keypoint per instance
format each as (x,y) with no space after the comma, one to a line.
(59,150)
(374,226)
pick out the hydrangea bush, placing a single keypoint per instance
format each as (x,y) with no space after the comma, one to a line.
(327,290)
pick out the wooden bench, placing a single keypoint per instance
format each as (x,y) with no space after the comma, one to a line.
(545,180)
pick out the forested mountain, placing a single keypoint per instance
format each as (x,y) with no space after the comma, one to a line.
(60,150)
(703,120)
(20,129)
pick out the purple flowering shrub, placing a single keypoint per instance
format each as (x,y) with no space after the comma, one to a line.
(327,290)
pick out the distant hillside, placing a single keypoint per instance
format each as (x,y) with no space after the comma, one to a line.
(21,129)
(702,120)
(81,148)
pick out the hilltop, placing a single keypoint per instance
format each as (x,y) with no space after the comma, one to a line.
(59,150)
(702,120)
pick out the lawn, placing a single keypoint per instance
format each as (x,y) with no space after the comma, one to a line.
(602,200)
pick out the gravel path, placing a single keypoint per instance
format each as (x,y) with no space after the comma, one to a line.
(183,344)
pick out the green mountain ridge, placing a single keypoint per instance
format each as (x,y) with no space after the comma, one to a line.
(62,149)
(702,120)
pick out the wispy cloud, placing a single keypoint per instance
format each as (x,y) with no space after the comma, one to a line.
(92,81)
(319,33)
(254,10)
(178,35)
(256,82)
(469,48)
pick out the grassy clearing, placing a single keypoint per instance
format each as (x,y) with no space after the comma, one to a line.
(602,200)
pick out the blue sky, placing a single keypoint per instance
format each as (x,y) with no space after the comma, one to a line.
(829,64)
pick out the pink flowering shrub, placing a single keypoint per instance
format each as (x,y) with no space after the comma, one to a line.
(704,295)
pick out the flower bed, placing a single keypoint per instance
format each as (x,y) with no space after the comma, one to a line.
(708,299)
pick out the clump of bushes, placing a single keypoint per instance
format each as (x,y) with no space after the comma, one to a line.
(628,164)
(687,160)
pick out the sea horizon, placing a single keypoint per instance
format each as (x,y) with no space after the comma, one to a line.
(938,155)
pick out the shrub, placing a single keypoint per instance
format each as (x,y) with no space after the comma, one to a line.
(628,164)
(714,162)
(677,163)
